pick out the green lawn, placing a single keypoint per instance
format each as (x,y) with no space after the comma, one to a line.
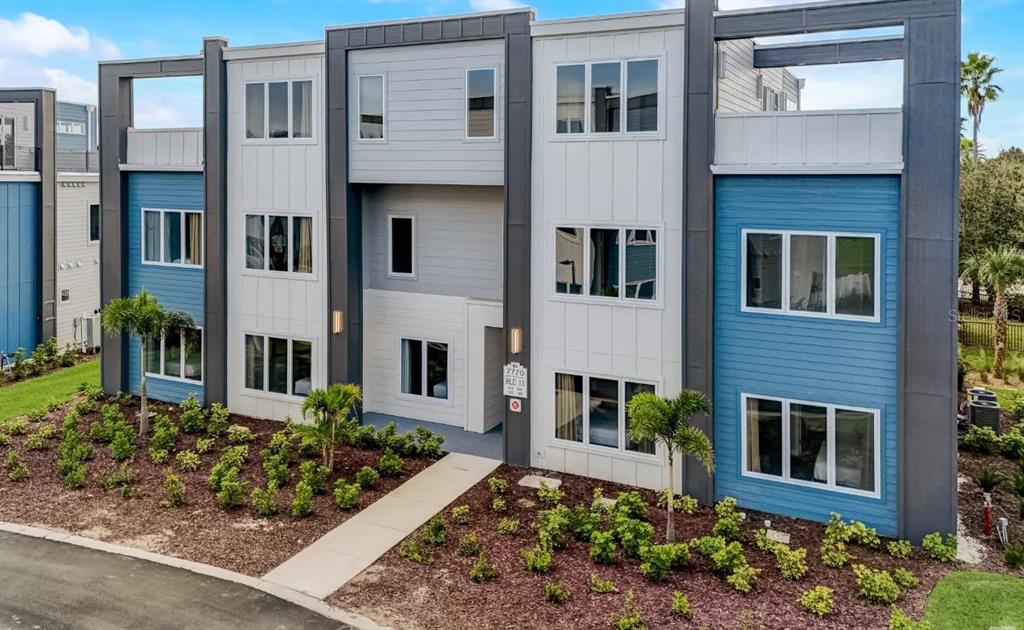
(972,600)
(29,395)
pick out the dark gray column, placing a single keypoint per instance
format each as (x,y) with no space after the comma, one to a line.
(215,194)
(47,166)
(698,235)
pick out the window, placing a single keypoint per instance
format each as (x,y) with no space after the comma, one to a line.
(425,368)
(70,128)
(176,356)
(811,444)
(278,365)
(401,247)
(94,222)
(279,110)
(589,97)
(811,273)
(279,243)
(481,109)
(172,237)
(7,142)
(65,295)
(619,263)
(591,410)
(371,107)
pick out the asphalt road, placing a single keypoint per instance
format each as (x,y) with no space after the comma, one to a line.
(48,585)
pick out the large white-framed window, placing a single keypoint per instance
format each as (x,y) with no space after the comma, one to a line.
(279,243)
(401,246)
(175,357)
(69,128)
(94,223)
(607,263)
(279,110)
(482,104)
(590,411)
(597,98)
(371,103)
(278,365)
(172,237)
(817,445)
(425,368)
(816,274)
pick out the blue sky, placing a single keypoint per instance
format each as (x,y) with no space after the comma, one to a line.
(57,44)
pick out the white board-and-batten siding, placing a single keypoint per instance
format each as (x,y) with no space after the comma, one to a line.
(165,148)
(78,259)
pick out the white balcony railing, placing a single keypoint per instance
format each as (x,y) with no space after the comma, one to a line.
(859,140)
(165,149)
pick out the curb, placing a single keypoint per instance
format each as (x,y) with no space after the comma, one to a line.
(298,598)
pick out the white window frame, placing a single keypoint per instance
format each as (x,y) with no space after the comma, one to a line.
(384,108)
(163,225)
(291,339)
(830,484)
(390,272)
(88,222)
(266,271)
(266,112)
(830,259)
(465,105)
(14,141)
(585,445)
(598,299)
(181,368)
(589,135)
(69,127)
(423,377)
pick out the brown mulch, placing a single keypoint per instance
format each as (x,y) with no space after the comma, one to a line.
(408,595)
(200,530)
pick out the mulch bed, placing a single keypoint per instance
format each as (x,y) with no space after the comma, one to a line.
(200,530)
(408,595)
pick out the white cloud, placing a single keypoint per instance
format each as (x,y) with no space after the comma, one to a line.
(69,86)
(849,86)
(39,36)
(171,102)
(495,5)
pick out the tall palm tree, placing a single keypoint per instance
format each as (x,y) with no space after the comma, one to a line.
(145,317)
(976,74)
(667,421)
(1000,268)
(329,408)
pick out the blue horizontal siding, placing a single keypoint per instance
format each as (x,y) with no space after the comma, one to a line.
(177,288)
(72,112)
(20,292)
(814,359)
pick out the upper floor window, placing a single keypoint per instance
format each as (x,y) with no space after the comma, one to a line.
(94,222)
(279,110)
(176,356)
(278,365)
(823,274)
(371,107)
(172,237)
(481,111)
(282,243)
(589,97)
(401,247)
(616,263)
(71,128)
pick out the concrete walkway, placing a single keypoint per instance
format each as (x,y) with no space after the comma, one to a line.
(347,550)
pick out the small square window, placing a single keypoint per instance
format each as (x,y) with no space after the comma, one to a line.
(65,295)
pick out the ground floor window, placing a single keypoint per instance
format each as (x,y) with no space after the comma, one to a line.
(591,410)
(278,365)
(176,356)
(425,368)
(812,444)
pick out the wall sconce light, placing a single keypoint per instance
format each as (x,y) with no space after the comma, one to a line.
(515,340)
(337,322)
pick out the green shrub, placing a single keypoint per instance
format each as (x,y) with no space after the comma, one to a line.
(834,554)
(231,459)
(174,490)
(508,525)
(498,505)
(899,620)
(191,415)
(205,445)
(498,485)
(792,563)
(120,477)
(16,468)
(315,475)
(460,514)
(346,495)
(601,586)
(629,618)
(817,600)
(188,461)
(876,585)
(275,465)
(586,520)
(658,560)
(231,491)
(680,603)
(469,545)
(367,477)
(5,440)
(632,534)
(308,446)
(390,464)
(980,439)
(1013,554)
(364,436)
(302,504)
(436,531)
(742,578)
(482,570)
(217,422)
(413,549)
(75,477)
(1011,443)
(729,520)
(553,526)
(899,549)
(428,443)
(863,535)
(238,434)
(264,500)
(123,445)
(40,438)
(72,454)
(165,434)
(537,559)
(631,504)
(111,419)
(905,578)
(603,549)
(941,550)
(158,457)
(280,443)
(836,530)
(15,426)
(549,496)
(555,593)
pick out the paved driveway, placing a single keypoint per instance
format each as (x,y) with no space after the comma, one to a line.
(49,585)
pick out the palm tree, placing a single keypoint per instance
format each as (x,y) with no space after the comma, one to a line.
(1000,268)
(330,408)
(667,420)
(976,74)
(144,317)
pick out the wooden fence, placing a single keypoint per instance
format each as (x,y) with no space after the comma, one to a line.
(980,333)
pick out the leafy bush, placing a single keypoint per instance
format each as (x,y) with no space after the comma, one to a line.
(1013,554)
(555,593)
(174,490)
(729,520)
(876,585)
(482,570)
(836,530)
(16,468)
(217,422)
(632,534)
(498,505)
(508,525)
(111,419)
(275,465)
(364,436)
(346,495)
(980,439)
(549,496)
(941,550)
(238,434)
(658,560)
(834,554)
(601,586)
(460,514)
(191,415)
(230,460)
(158,457)
(308,446)
(553,525)
(469,545)
(73,453)
(631,504)
(264,500)
(742,578)
(390,464)
(586,520)
(367,477)
(123,445)
(537,559)
(905,578)
(414,549)
(302,504)
(629,618)
(436,531)
(75,477)
(498,485)
(602,547)
(899,549)
(1011,443)
(428,443)
(231,491)
(165,434)
(315,475)
(680,603)
(205,445)
(40,438)
(817,600)
(120,477)
(792,562)
(864,535)
(899,620)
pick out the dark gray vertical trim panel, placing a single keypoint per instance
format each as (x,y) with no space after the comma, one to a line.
(47,166)
(826,16)
(872,49)
(931,124)
(215,260)
(698,214)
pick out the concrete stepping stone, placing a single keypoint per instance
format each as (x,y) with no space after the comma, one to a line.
(536,481)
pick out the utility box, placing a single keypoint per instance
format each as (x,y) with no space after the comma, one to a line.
(92,334)
(985,413)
